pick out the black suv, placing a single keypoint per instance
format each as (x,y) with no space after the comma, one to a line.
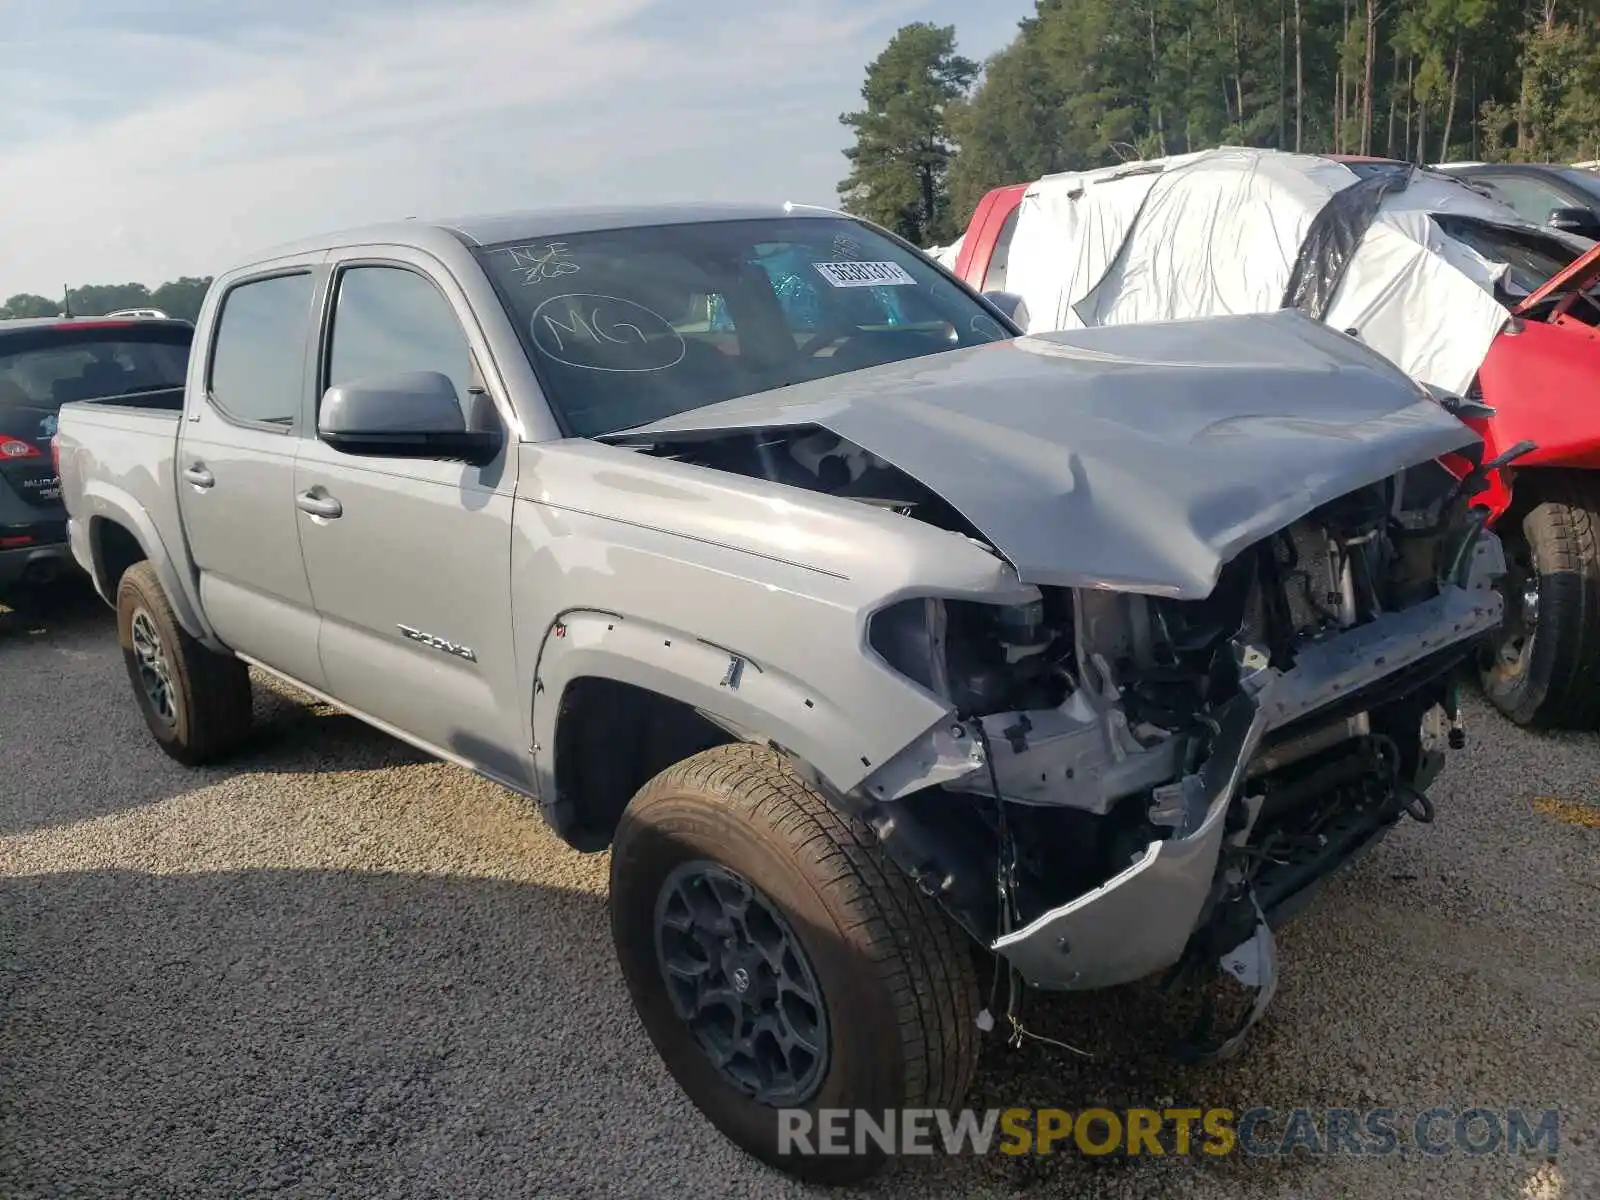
(43,364)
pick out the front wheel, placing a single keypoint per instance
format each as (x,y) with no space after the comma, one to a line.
(1543,668)
(778,962)
(195,701)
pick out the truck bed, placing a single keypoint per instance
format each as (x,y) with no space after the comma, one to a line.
(163,400)
(117,457)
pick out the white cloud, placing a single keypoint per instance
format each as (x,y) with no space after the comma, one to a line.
(228,145)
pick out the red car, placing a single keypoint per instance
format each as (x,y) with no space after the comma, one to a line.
(1539,378)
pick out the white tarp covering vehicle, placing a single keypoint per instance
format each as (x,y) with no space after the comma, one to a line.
(945,256)
(1497,315)
(1233,230)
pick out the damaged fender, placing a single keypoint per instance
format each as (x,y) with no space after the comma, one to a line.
(683,573)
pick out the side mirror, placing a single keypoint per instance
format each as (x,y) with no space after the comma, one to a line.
(413,415)
(1463,408)
(1580,221)
(1014,307)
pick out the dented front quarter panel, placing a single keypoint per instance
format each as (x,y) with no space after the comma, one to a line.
(664,575)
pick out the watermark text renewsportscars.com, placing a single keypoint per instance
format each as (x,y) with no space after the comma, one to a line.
(1258,1132)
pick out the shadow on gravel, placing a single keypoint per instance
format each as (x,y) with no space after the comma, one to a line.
(74,747)
(322,1031)
(335,1032)
(67,607)
(295,732)
(82,751)
(340,1033)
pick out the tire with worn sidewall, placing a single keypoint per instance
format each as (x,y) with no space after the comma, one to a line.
(211,692)
(895,973)
(1561,686)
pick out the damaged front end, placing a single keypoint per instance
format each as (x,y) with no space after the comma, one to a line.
(1252,586)
(1162,781)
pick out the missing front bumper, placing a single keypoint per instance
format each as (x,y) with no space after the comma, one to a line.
(1140,921)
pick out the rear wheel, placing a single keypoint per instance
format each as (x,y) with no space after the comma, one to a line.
(195,701)
(777,961)
(1543,669)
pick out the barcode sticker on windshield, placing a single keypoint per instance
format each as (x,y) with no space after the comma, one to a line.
(865,274)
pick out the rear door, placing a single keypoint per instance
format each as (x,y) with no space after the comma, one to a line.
(235,471)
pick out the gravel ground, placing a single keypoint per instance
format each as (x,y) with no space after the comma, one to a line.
(338,968)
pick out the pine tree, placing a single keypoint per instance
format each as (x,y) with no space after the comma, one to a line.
(903,144)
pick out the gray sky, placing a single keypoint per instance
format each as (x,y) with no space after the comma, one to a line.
(146,139)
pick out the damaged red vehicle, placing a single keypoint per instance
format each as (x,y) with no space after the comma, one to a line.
(1407,260)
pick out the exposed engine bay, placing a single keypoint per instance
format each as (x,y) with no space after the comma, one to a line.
(1135,782)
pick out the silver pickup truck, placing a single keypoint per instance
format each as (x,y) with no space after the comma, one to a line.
(884,648)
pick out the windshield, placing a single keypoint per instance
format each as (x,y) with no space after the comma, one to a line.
(1531,257)
(627,326)
(1584,178)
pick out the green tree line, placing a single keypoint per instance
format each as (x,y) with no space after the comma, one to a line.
(1087,83)
(177,298)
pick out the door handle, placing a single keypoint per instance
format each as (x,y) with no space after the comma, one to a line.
(319,506)
(197,474)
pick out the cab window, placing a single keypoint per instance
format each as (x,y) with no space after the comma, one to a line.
(258,359)
(390,321)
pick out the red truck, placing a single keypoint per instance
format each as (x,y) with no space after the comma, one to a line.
(1536,384)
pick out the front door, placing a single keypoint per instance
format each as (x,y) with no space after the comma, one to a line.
(235,474)
(412,575)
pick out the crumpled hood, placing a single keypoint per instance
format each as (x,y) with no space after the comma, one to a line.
(1136,458)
